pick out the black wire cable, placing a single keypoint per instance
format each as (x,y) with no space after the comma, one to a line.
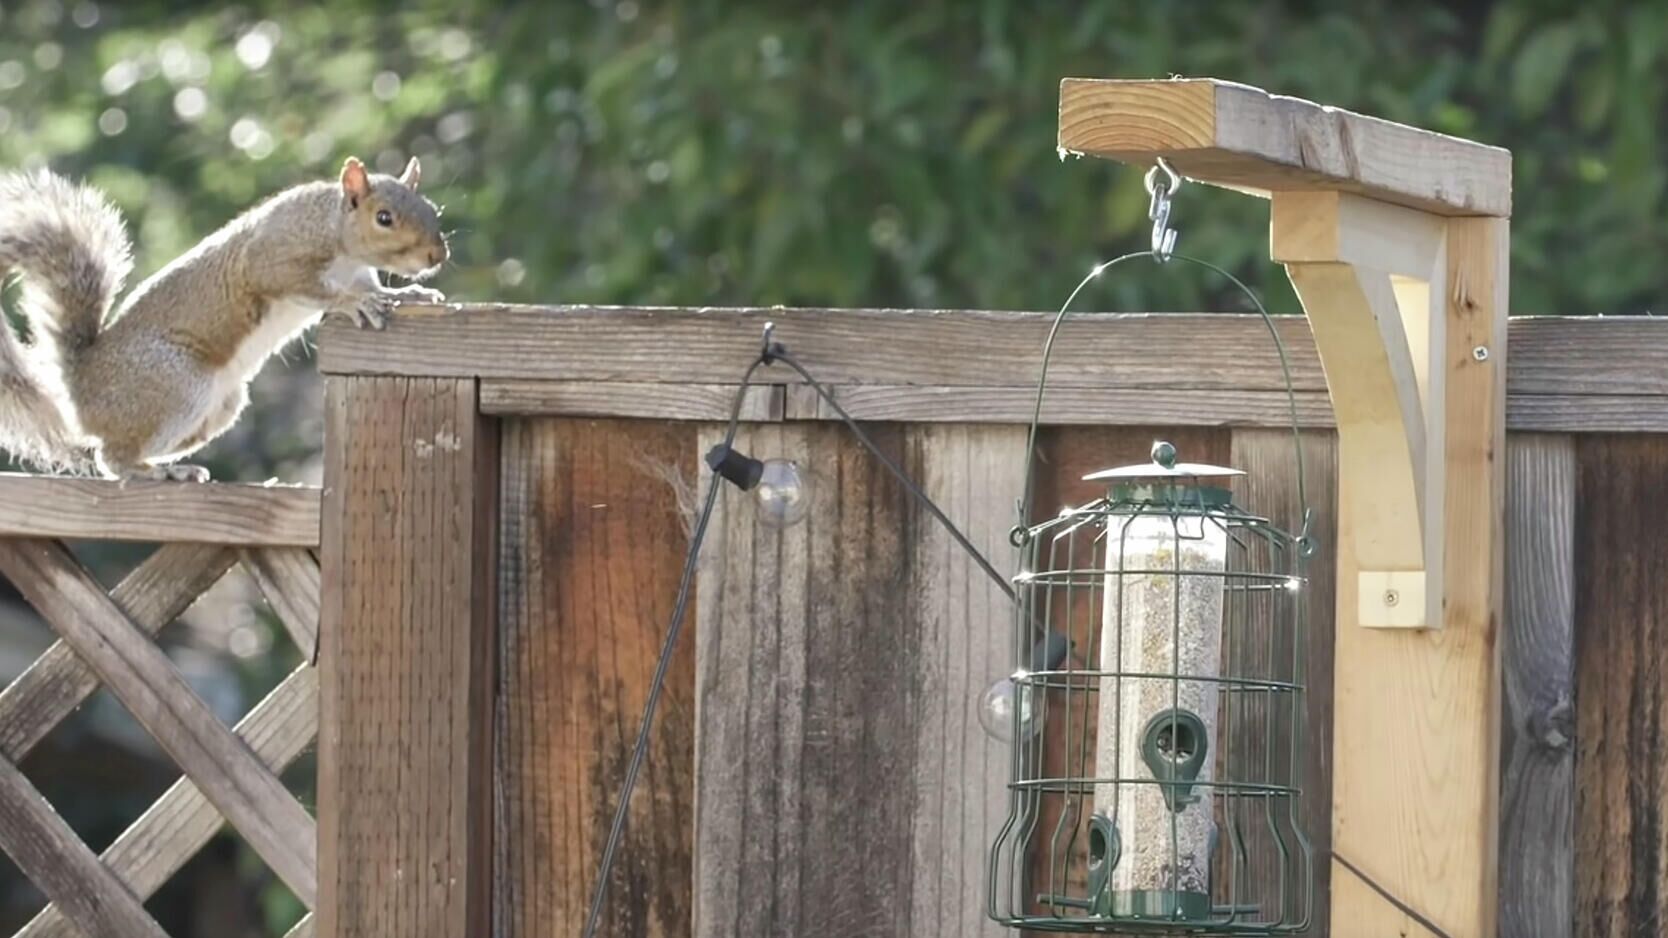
(658,683)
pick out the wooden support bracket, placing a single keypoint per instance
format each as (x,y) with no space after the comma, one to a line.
(1396,241)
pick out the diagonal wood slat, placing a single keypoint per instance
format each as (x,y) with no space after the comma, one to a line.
(279,729)
(56,860)
(289,579)
(302,929)
(152,596)
(151,689)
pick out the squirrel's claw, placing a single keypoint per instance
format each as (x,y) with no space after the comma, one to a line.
(417,294)
(373,311)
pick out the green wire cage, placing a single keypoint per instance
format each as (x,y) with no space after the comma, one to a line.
(1156,766)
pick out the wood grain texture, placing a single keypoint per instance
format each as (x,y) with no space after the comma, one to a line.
(1061,406)
(139,675)
(843,346)
(592,546)
(1537,760)
(62,867)
(153,595)
(406,660)
(1561,357)
(1268,488)
(289,579)
(210,513)
(845,785)
(1416,715)
(1621,653)
(629,399)
(1244,138)
(183,820)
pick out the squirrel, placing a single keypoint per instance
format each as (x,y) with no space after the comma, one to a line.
(128,393)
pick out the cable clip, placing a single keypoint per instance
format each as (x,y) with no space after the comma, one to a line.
(769,351)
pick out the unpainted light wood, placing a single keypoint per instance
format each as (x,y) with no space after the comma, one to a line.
(153,595)
(1061,406)
(210,513)
(183,820)
(1537,763)
(406,660)
(1621,662)
(139,675)
(844,785)
(63,867)
(1244,138)
(1416,713)
(1389,442)
(629,399)
(303,928)
(595,516)
(289,579)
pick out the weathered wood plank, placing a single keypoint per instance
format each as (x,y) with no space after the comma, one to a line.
(63,868)
(1244,138)
(1556,356)
(211,513)
(841,346)
(1061,406)
(844,783)
(289,579)
(629,399)
(1621,655)
(183,820)
(1537,763)
(153,595)
(148,685)
(592,545)
(1268,488)
(406,660)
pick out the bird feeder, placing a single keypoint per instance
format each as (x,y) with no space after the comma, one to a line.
(1181,729)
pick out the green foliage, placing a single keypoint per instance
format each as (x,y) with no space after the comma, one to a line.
(697,152)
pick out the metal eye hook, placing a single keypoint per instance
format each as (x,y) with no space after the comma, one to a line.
(1158,208)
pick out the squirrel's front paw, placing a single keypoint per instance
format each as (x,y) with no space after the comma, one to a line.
(417,294)
(373,311)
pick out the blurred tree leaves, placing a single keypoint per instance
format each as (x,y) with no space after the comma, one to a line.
(698,152)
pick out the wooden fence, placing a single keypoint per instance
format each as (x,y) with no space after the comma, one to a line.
(230,774)
(504,517)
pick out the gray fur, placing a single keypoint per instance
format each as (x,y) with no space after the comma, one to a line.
(132,390)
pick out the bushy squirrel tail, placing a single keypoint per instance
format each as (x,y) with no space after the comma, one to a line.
(69,244)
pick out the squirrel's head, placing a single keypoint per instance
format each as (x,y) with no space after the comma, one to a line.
(388,225)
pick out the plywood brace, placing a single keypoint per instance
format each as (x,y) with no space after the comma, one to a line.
(1395,240)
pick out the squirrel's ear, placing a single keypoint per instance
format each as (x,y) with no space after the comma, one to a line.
(412,174)
(355,184)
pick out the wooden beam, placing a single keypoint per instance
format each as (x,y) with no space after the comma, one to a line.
(1537,763)
(406,660)
(1244,138)
(136,671)
(289,579)
(62,867)
(210,513)
(1556,356)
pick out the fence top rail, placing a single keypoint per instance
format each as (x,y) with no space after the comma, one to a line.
(241,514)
(1564,373)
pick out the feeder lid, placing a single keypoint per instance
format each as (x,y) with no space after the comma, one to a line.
(1164,466)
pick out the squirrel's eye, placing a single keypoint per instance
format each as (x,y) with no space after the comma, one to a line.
(385,218)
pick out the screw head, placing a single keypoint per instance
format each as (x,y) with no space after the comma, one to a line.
(1392,597)
(1480,353)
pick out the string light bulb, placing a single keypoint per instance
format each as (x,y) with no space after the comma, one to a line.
(1009,706)
(780,488)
